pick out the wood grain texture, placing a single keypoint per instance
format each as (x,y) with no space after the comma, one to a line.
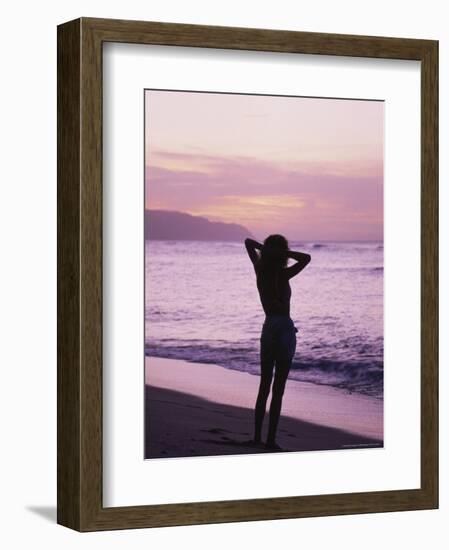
(240,38)
(80,274)
(429,271)
(68,316)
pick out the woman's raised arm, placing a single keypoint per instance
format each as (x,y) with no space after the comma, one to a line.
(302,259)
(251,247)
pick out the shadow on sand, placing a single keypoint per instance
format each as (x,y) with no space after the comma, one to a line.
(182,425)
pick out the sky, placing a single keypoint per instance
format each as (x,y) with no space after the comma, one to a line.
(309,168)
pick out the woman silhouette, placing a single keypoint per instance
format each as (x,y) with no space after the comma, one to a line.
(278,337)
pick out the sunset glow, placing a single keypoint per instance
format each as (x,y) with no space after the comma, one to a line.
(306,167)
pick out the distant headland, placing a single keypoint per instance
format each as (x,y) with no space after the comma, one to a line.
(172,225)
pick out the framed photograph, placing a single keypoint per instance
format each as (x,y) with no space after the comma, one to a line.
(247,274)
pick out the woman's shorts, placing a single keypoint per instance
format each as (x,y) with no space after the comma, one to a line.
(278,338)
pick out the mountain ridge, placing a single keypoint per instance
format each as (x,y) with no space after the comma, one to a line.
(176,225)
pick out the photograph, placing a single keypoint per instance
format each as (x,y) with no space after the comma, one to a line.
(264,274)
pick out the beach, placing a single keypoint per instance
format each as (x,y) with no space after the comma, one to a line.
(200,409)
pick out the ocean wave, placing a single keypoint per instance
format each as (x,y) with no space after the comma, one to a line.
(339,246)
(361,374)
(354,269)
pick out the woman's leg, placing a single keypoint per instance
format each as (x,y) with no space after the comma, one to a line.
(266,376)
(287,348)
(280,379)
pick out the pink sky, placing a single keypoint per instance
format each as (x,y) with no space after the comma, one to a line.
(308,168)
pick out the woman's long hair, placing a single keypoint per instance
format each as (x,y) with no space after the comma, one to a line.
(273,254)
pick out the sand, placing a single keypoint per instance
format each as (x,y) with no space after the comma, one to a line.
(194,409)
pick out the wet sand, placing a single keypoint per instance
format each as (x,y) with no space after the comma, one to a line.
(194,409)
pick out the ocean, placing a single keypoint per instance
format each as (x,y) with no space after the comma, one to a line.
(202,305)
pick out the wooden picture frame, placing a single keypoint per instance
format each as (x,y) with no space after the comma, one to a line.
(79,385)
